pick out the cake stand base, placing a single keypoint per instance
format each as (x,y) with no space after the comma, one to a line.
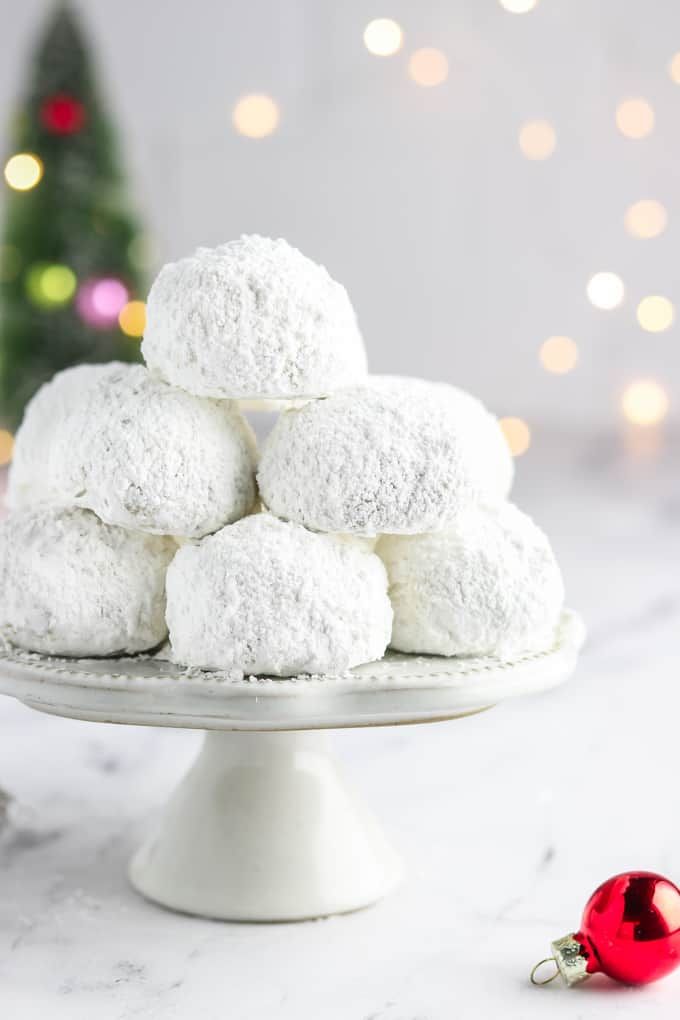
(264,828)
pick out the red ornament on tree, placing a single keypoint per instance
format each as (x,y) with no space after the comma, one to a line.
(62,114)
(630,931)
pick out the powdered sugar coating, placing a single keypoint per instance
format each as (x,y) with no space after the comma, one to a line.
(488,586)
(29,473)
(150,457)
(493,462)
(71,585)
(265,597)
(379,458)
(252,318)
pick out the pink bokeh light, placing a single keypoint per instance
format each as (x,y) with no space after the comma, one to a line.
(100,299)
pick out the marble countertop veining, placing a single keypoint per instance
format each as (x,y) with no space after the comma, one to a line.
(507,820)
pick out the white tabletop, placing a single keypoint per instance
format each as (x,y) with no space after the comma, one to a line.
(508,819)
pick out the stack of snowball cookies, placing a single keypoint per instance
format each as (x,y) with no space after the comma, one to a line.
(375,515)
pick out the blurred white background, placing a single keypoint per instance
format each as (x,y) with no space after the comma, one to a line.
(462,255)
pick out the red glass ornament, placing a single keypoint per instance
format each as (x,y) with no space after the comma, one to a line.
(630,930)
(62,114)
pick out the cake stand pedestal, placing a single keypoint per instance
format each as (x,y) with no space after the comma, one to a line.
(264,827)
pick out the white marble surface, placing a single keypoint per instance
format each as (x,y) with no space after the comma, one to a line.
(508,820)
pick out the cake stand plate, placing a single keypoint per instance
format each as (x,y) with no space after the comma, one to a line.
(264,827)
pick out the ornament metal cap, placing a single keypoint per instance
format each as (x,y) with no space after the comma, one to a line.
(570,961)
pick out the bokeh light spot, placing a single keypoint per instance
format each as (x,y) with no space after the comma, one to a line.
(100,300)
(517,435)
(674,68)
(62,114)
(605,290)
(50,285)
(537,139)
(58,284)
(646,218)
(6,447)
(23,171)
(428,67)
(645,402)
(655,313)
(635,118)
(132,318)
(256,116)
(518,6)
(559,355)
(383,37)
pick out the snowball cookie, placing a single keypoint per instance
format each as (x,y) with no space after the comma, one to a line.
(374,459)
(71,585)
(488,586)
(252,318)
(262,596)
(493,461)
(150,457)
(28,474)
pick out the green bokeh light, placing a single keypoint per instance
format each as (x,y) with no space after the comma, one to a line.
(50,285)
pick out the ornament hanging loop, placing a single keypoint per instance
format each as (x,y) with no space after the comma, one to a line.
(547,980)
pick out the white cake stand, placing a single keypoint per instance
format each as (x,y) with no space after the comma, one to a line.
(263,827)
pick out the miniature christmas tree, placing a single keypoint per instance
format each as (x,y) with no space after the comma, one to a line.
(69,270)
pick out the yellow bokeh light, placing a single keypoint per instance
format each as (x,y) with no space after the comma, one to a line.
(50,285)
(605,290)
(256,116)
(558,355)
(132,318)
(655,313)
(645,402)
(518,6)
(383,37)
(674,68)
(537,139)
(646,218)
(6,447)
(428,67)
(23,171)
(517,435)
(634,118)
